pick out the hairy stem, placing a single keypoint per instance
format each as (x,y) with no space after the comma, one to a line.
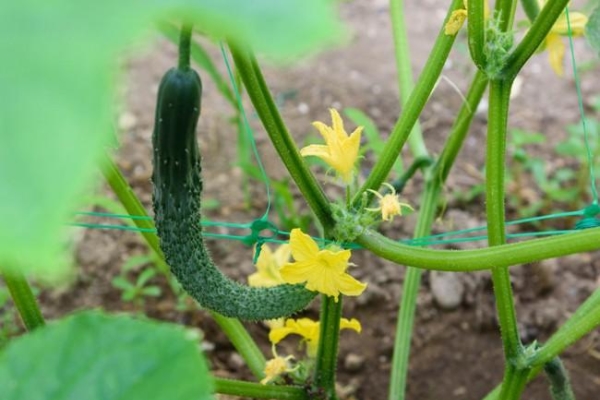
(24,300)
(325,368)
(514,379)
(476,32)
(258,391)
(185,40)
(480,259)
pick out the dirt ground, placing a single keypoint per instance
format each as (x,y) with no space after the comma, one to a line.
(456,351)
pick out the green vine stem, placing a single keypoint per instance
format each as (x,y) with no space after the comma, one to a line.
(185,41)
(243,343)
(476,29)
(514,379)
(412,109)
(233,328)
(560,385)
(24,300)
(283,142)
(436,178)
(405,78)
(533,38)
(480,259)
(408,302)
(258,391)
(326,362)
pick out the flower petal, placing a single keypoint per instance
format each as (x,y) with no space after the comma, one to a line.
(349,286)
(353,324)
(267,270)
(299,272)
(578,22)
(556,53)
(326,132)
(276,335)
(325,282)
(455,22)
(317,150)
(337,125)
(303,246)
(336,261)
(282,254)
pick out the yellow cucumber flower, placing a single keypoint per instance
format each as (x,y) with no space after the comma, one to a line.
(554,44)
(389,204)
(340,151)
(324,271)
(309,330)
(268,265)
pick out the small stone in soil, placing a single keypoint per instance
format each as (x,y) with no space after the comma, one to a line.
(447,289)
(235,361)
(354,362)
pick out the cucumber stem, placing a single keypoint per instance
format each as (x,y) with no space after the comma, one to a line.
(185,42)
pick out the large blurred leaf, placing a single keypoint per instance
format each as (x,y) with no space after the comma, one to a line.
(592,29)
(92,356)
(56,84)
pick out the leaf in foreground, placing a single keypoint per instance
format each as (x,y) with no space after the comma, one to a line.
(94,356)
(57,80)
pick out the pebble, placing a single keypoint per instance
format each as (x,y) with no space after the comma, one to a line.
(353,362)
(235,361)
(127,121)
(447,289)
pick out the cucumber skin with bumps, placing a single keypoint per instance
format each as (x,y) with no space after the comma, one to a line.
(177,202)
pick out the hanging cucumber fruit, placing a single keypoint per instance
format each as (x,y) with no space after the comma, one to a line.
(177,200)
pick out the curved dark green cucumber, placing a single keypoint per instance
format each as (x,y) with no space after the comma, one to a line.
(176,198)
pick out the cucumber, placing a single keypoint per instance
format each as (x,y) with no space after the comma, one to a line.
(177,200)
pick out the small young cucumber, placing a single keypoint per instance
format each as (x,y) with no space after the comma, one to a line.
(177,200)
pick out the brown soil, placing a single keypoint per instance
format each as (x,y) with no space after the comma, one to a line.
(456,353)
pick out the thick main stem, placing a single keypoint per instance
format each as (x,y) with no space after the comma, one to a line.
(325,368)
(514,379)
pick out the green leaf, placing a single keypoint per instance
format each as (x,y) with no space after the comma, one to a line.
(592,29)
(58,99)
(94,356)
